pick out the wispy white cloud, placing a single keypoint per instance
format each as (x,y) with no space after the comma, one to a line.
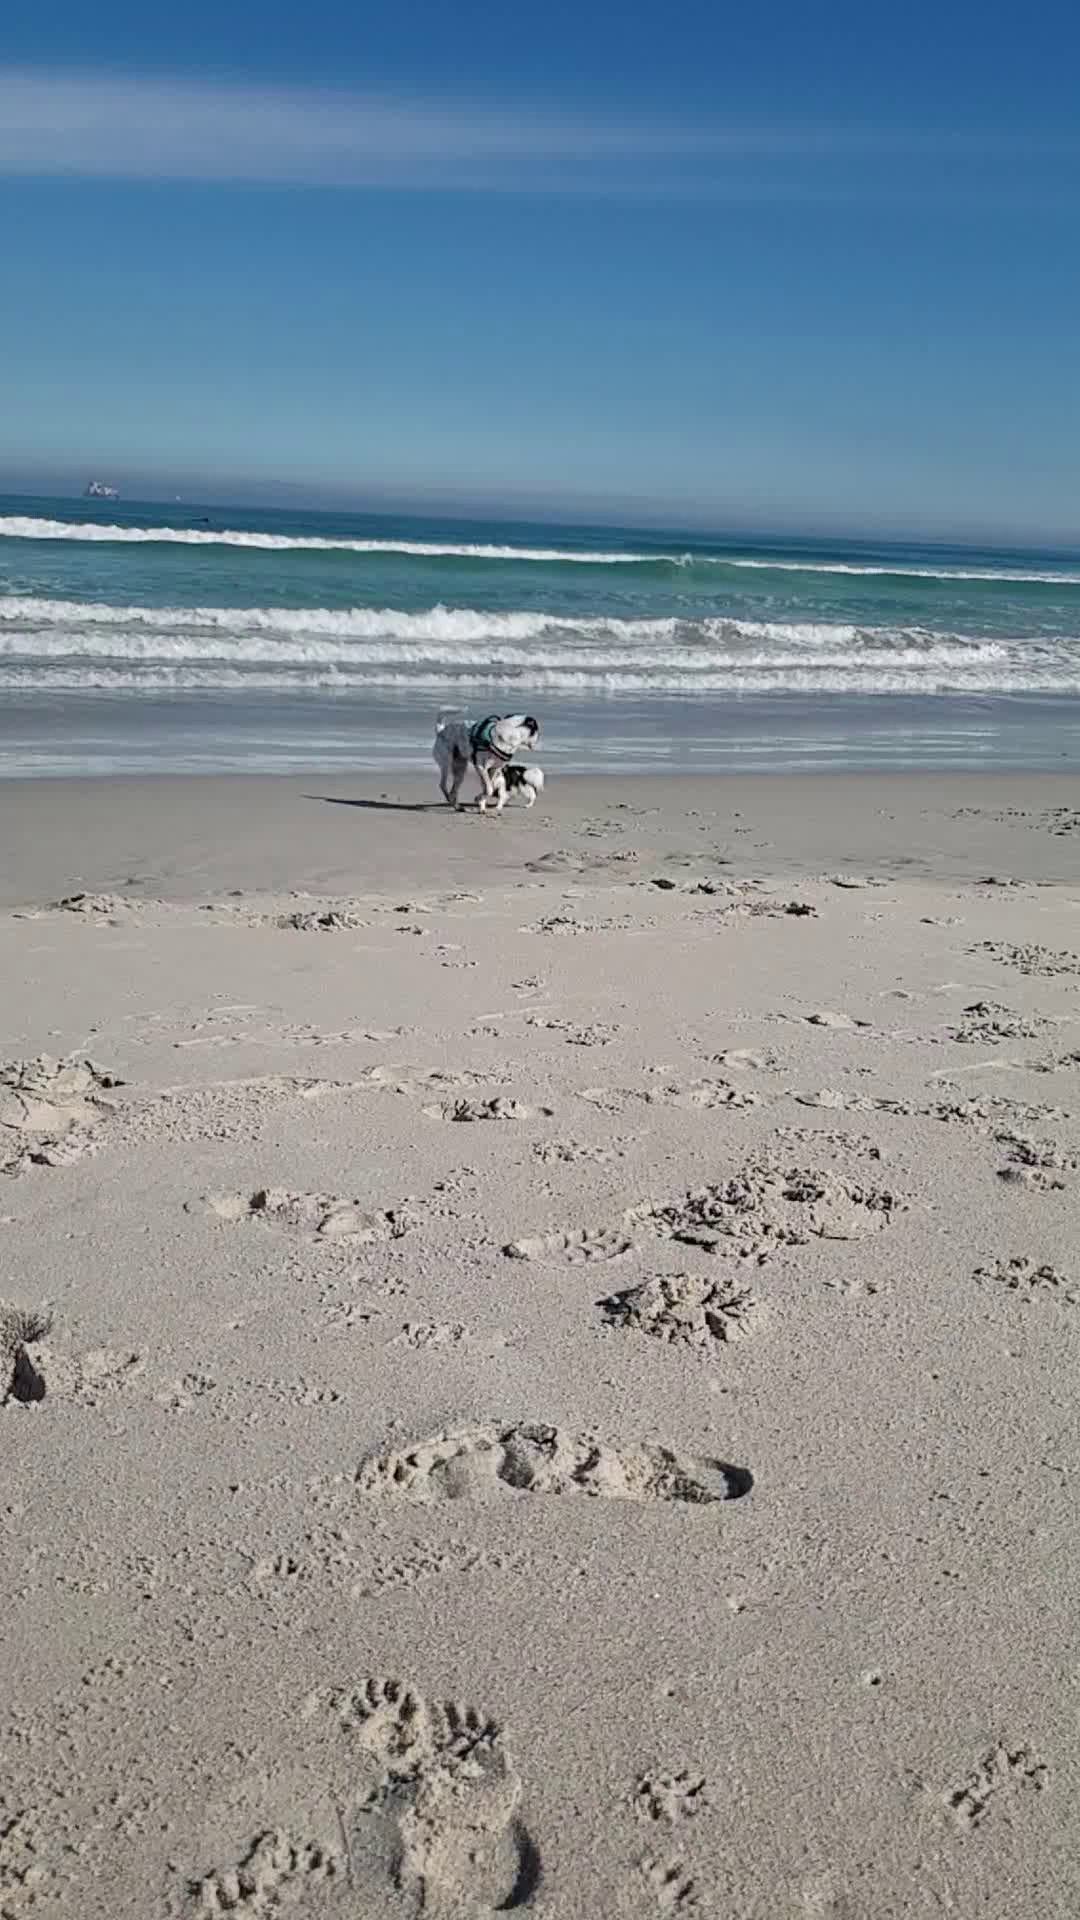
(121,127)
(133,128)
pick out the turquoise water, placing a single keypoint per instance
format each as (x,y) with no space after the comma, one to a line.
(136,636)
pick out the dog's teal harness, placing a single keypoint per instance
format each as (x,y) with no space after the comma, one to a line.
(480,738)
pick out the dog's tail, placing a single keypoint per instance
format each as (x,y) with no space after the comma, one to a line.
(449,717)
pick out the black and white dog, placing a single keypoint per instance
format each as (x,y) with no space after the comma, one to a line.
(489,746)
(528,781)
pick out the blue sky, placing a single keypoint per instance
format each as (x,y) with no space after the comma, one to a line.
(810,266)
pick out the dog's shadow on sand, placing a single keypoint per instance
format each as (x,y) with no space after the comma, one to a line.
(380,806)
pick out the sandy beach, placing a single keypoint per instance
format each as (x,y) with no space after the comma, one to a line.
(539,1360)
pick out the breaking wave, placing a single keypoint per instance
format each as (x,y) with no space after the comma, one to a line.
(28,527)
(85,644)
(21,527)
(746,676)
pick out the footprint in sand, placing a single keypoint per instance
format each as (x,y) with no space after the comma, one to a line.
(29,1878)
(209,1031)
(748,1059)
(276,1873)
(858,1146)
(839,1100)
(483,1462)
(101,909)
(339,917)
(1029,1279)
(685,1309)
(701,1095)
(425,1336)
(87,1378)
(1038,1164)
(1056,1063)
(419,1564)
(444,1336)
(50,1111)
(32,1369)
(568,923)
(750,908)
(494,1109)
(613,1100)
(1061,820)
(416,1080)
(573,1249)
(671,1887)
(986,1115)
(1031,959)
(665,884)
(579,860)
(319,1214)
(987,1023)
(705,1095)
(440,1809)
(183,1394)
(751,1214)
(569,1151)
(598,1033)
(20,1328)
(1005,1770)
(420,1816)
(668,1797)
(764,1207)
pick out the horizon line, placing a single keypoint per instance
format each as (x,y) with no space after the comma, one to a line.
(629,515)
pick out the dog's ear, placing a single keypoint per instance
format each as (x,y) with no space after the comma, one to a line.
(532,725)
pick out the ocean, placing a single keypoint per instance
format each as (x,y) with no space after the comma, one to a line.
(142,637)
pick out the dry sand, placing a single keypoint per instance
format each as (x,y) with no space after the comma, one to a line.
(539,1357)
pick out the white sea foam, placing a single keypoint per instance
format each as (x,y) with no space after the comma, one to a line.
(486,662)
(741,678)
(444,624)
(23,527)
(465,639)
(363,623)
(27,527)
(457,651)
(907,573)
(40,616)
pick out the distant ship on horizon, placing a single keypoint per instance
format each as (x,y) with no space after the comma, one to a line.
(97,490)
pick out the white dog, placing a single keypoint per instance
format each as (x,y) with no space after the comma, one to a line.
(489,746)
